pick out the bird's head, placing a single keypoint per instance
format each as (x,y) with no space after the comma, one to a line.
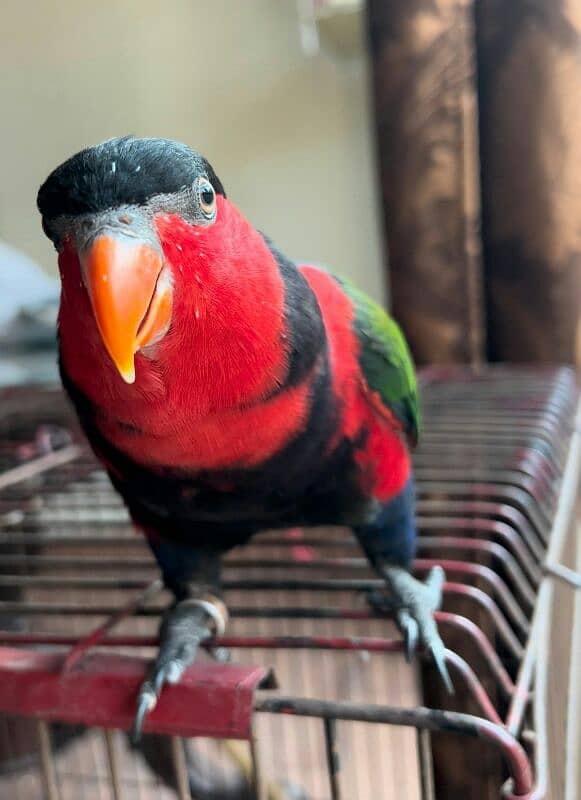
(142,228)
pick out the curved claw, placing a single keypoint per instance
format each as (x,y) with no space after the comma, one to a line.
(182,630)
(160,674)
(439,658)
(146,702)
(434,583)
(411,632)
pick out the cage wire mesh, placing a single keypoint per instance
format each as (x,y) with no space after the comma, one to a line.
(350,718)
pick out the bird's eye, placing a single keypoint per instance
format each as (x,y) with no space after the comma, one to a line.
(206,197)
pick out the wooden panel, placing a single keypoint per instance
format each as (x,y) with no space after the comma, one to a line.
(425,102)
(530,79)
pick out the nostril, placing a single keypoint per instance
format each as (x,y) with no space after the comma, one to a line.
(125,219)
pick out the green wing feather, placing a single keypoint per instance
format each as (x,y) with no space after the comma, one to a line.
(385,360)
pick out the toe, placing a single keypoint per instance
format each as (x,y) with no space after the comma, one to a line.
(410,630)
(174,671)
(146,702)
(434,646)
(157,678)
(438,653)
(163,671)
(434,586)
(182,630)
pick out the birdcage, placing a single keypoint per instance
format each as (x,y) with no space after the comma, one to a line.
(309,695)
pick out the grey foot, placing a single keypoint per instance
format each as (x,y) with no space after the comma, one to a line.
(413,604)
(184,627)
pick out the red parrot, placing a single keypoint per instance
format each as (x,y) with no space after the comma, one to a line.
(225,388)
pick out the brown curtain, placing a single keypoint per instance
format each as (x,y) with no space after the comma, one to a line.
(423,71)
(530,111)
(511,292)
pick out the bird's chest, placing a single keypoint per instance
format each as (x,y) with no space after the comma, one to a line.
(172,438)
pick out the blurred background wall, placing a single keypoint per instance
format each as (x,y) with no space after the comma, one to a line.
(288,134)
(478,152)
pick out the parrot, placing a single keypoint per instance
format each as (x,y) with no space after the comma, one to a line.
(227,389)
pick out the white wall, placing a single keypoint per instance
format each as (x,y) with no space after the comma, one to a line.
(288,135)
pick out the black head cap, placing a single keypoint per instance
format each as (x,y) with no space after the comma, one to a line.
(122,171)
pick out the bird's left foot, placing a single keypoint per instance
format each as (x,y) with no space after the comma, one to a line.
(413,604)
(184,627)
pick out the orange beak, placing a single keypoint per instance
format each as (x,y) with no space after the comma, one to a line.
(131,296)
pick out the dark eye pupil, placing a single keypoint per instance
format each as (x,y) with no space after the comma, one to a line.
(207,195)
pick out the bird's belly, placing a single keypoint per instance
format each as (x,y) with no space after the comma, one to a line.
(223,508)
(308,482)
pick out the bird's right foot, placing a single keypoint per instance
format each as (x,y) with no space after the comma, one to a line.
(412,604)
(183,628)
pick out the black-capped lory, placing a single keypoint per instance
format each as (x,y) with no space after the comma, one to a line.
(225,388)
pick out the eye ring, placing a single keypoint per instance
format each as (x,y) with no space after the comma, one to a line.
(206,197)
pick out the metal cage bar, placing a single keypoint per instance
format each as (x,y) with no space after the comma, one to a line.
(495,475)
